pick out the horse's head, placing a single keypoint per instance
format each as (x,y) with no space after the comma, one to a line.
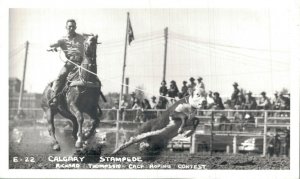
(90,45)
(197,101)
(89,61)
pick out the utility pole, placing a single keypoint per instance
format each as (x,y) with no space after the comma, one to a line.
(165,54)
(20,113)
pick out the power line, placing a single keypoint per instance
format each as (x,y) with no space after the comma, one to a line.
(224,74)
(137,37)
(197,40)
(253,58)
(232,60)
(132,48)
(228,57)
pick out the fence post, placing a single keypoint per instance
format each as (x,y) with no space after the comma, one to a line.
(256,122)
(193,144)
(211,133)
(117,128)
(234,145)
(265,133)
(227,149)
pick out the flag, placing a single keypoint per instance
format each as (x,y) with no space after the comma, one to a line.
(130,32)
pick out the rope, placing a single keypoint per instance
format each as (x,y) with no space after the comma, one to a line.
(80,67)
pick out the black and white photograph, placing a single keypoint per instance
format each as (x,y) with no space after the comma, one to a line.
(152,89)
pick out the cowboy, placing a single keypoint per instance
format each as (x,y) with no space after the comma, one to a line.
(187,112)
(73,46)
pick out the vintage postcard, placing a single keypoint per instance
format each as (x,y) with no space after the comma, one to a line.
(189,90)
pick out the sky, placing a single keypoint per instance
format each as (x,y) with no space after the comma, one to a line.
(248,46)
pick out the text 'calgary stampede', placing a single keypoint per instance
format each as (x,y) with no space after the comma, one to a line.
(73,162)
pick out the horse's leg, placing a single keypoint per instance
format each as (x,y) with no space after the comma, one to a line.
(79,116)
(195,124)
(75,127)
(50,119)
(95,122)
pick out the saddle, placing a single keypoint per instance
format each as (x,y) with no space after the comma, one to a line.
(73,79)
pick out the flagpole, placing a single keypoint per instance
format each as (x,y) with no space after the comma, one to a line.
(124,62)
(122,84)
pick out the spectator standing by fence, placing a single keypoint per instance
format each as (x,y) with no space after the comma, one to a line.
(192,85)
(210,100)
(162,103)
(240,101)
(132,99)
(274,145)
(200,87)
(276,102)
(146,105)
(153,102)
(277,144)
(286,145)
(124,105)
(138,107)
(184,89)
(234,95)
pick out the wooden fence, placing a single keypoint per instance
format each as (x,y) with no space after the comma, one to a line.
(262,119)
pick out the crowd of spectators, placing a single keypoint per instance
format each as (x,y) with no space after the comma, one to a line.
(239,98)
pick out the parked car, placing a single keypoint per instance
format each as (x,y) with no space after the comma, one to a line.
(180,143)
(252,144)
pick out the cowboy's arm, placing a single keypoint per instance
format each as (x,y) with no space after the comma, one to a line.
(55,45)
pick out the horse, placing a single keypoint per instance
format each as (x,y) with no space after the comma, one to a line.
(154,134)
(81,95)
